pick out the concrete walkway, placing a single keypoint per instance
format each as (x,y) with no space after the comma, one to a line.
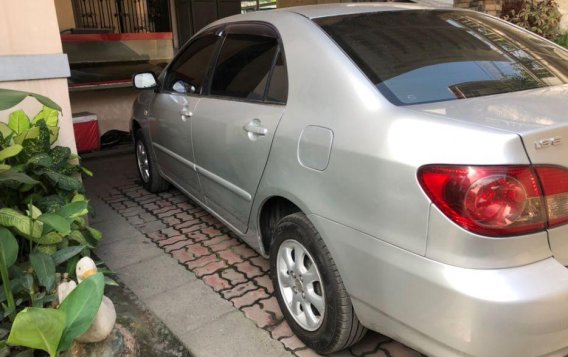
(212,291)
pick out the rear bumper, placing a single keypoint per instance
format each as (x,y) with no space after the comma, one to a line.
(444,310)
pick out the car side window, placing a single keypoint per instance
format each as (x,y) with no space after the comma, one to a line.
(244,66)
(189,71)
(278,90)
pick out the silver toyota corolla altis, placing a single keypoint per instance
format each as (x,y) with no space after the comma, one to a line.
(405,169)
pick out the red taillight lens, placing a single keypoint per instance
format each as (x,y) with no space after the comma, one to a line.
(555,186)
(495,201)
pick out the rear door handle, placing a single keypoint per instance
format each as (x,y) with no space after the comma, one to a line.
(254,128)
(185,114)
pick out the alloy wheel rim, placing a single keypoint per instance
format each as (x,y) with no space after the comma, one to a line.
(142,159)
(300,285)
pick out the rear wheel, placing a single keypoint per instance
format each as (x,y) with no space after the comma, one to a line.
(309,289)
(147,170)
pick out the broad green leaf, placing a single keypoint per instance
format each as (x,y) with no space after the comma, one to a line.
(43,160)
(78,197)
(110,282)
(45,101)
(74,209)
(50,116)
(28,281)
(21,223)
(18,121)
(64,182)
(80,308)
(50,238)
(60,155)
(78,237)
(44,268)
(48,249)
(30,134)
(10,98)
(5,130)
(38,328)
(34,212)
(50,203)
(4,167)
(8,248)
(10,151)
(10,176)
(94,233)
(57,222)
(65,254)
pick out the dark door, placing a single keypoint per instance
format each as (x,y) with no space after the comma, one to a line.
(193,15)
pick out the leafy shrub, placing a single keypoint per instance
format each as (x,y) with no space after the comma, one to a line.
(562,40)
(43,228)
(539,16)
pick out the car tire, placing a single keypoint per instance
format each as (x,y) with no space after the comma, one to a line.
(304,275)
(147,170)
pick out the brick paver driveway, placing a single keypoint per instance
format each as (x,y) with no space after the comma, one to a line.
(207,248)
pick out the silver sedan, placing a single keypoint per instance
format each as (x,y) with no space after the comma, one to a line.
(405,169)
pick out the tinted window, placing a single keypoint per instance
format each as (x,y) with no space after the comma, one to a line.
(425,56)
(278,90)
(189,70)
(243,67)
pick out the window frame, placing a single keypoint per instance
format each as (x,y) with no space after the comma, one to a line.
(215,31)
(248,27)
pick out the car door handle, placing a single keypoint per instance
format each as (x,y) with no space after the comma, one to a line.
(185,114)
(254,128)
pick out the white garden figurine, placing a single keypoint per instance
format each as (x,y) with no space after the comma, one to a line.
(106,316)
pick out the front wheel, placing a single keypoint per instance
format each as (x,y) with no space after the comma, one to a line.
(309,289)
(147,170)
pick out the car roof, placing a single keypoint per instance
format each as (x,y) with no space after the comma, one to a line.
(327,10)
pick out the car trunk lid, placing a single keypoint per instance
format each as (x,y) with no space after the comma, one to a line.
(539,117)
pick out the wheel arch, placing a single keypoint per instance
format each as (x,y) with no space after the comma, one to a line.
(272,209)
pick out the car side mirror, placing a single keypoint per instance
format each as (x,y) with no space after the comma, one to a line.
(144,80)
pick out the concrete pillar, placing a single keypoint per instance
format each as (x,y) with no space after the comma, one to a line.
(31,59)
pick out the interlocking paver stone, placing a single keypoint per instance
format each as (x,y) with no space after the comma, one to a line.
(249,298)
(201,262)
(238,290)
(229,256)
(261,317)
(210,268)
(248,269)
(233,276)
(214,254)
(216,282)
(265,282)
(281,330)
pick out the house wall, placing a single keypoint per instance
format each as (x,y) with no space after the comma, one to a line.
(65,17)
(31,59)
(563,6)
(289,3)
(113,107)
(492,7)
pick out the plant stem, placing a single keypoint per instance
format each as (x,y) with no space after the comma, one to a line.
(8,291)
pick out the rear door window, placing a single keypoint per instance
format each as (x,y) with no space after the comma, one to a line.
(244,66)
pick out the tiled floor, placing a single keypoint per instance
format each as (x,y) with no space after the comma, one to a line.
(207,248)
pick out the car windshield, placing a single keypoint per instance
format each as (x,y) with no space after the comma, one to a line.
(423,56)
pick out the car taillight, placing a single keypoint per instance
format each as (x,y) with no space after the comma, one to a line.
(497,201)
(554,182)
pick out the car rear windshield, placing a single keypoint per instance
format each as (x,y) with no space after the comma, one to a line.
(423,56)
